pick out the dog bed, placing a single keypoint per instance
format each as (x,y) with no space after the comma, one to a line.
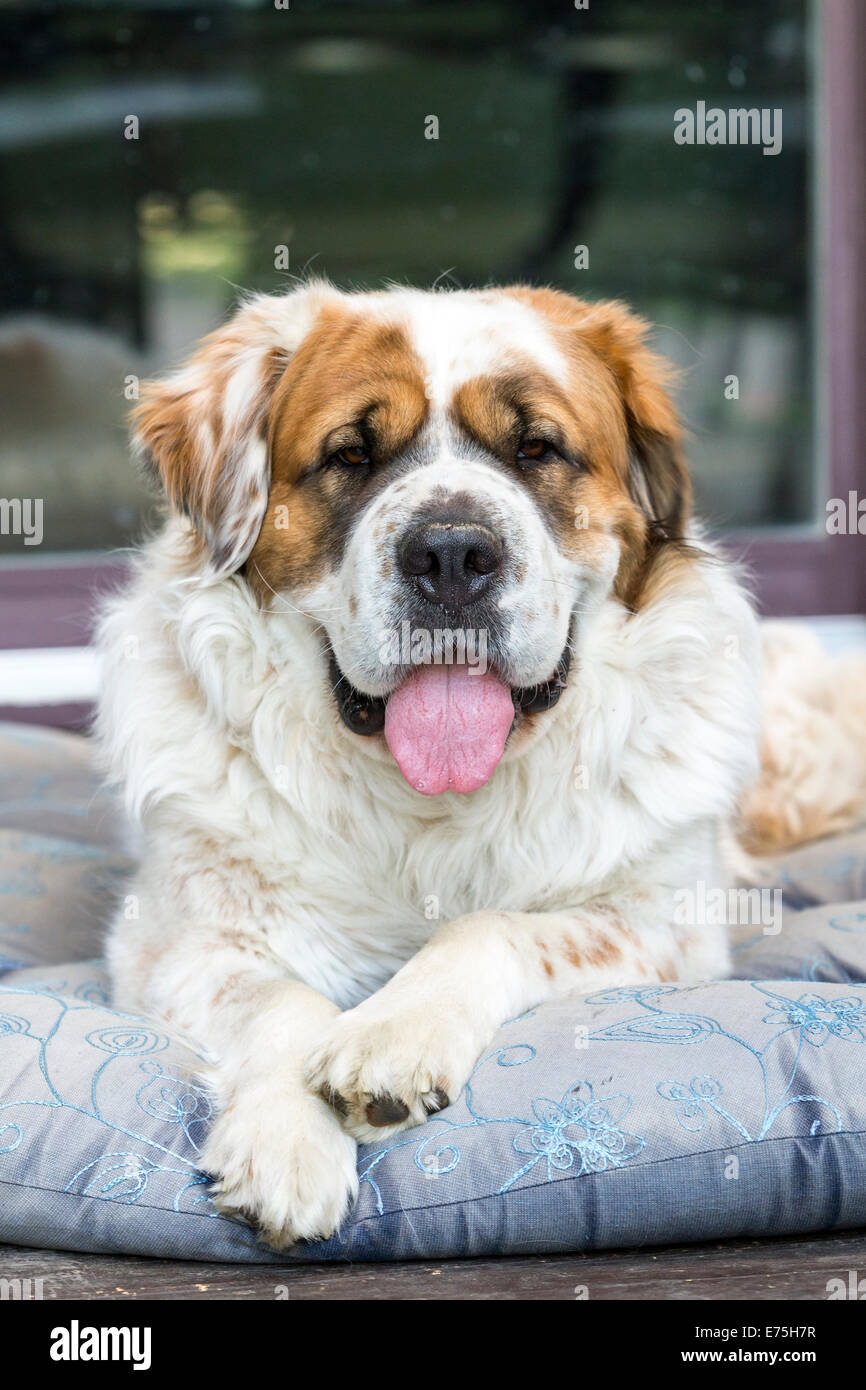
(642,1114)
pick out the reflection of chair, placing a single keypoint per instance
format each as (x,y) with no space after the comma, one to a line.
(32,282)
(580,165)
(587,90)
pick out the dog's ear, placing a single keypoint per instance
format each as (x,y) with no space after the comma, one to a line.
(204,430)
(658,476)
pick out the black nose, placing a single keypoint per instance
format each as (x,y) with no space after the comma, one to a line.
(452,563)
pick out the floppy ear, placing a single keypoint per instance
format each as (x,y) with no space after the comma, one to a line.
(204,429)
(659,478)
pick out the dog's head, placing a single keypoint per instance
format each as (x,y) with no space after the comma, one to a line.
(444,482)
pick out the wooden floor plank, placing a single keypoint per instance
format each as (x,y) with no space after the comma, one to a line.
(796,1268)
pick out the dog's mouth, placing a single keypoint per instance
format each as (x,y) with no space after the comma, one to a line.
(446,725)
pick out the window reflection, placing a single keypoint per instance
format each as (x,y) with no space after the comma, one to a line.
(277,142)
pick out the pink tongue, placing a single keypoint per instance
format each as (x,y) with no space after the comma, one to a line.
(447,728)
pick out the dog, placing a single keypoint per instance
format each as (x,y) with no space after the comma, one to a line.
(427,699)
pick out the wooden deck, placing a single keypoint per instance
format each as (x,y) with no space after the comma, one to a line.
(796,1268)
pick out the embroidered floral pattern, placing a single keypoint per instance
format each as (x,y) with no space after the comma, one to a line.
(170,1096)
(818,1018)
(577,1132)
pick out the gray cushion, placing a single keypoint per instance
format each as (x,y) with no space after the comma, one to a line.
(639,1114)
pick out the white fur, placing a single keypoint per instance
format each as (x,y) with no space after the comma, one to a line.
(289,872)
(535,622)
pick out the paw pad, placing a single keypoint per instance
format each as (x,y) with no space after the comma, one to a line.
(386,1110)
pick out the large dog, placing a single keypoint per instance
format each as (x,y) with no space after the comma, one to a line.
(429,698)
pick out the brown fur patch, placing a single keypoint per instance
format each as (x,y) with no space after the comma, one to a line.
(636,447)
(354,381)
(584,494)
(546,962)
(571,953)
(603,950)
(665,569)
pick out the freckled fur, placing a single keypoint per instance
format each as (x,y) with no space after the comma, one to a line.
(285,863)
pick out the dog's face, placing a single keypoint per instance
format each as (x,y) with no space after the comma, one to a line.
(444,482)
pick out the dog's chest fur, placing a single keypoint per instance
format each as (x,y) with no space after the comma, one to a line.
(311,841)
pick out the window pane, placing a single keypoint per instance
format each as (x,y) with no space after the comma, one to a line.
(257,129)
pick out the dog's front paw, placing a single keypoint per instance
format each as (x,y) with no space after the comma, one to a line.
(284,1164)
(384,1071)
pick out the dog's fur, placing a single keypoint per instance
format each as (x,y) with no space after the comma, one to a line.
(343,945)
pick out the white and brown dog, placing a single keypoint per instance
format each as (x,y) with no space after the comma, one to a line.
(428,698)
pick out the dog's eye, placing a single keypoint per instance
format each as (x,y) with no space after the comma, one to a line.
(535,450)
(353,456)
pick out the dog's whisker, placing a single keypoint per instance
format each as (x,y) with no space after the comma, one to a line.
(291,607)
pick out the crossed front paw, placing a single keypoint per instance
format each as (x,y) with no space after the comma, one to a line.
(383,1073)
(285,1166)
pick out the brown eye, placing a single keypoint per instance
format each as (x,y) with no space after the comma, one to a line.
(353,456)
(533,450)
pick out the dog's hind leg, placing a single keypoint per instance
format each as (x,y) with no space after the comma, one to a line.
(813,750)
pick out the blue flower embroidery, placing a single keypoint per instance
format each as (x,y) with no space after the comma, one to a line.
(577,1130)
(119,1175)
(115,1177)
(10,1137)
(818,1018)
(695,1100)
(849,922)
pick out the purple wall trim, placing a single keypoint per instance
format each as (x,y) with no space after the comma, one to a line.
(54,605)
(803,578)
(75,717)
(845,271)
(828,574)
